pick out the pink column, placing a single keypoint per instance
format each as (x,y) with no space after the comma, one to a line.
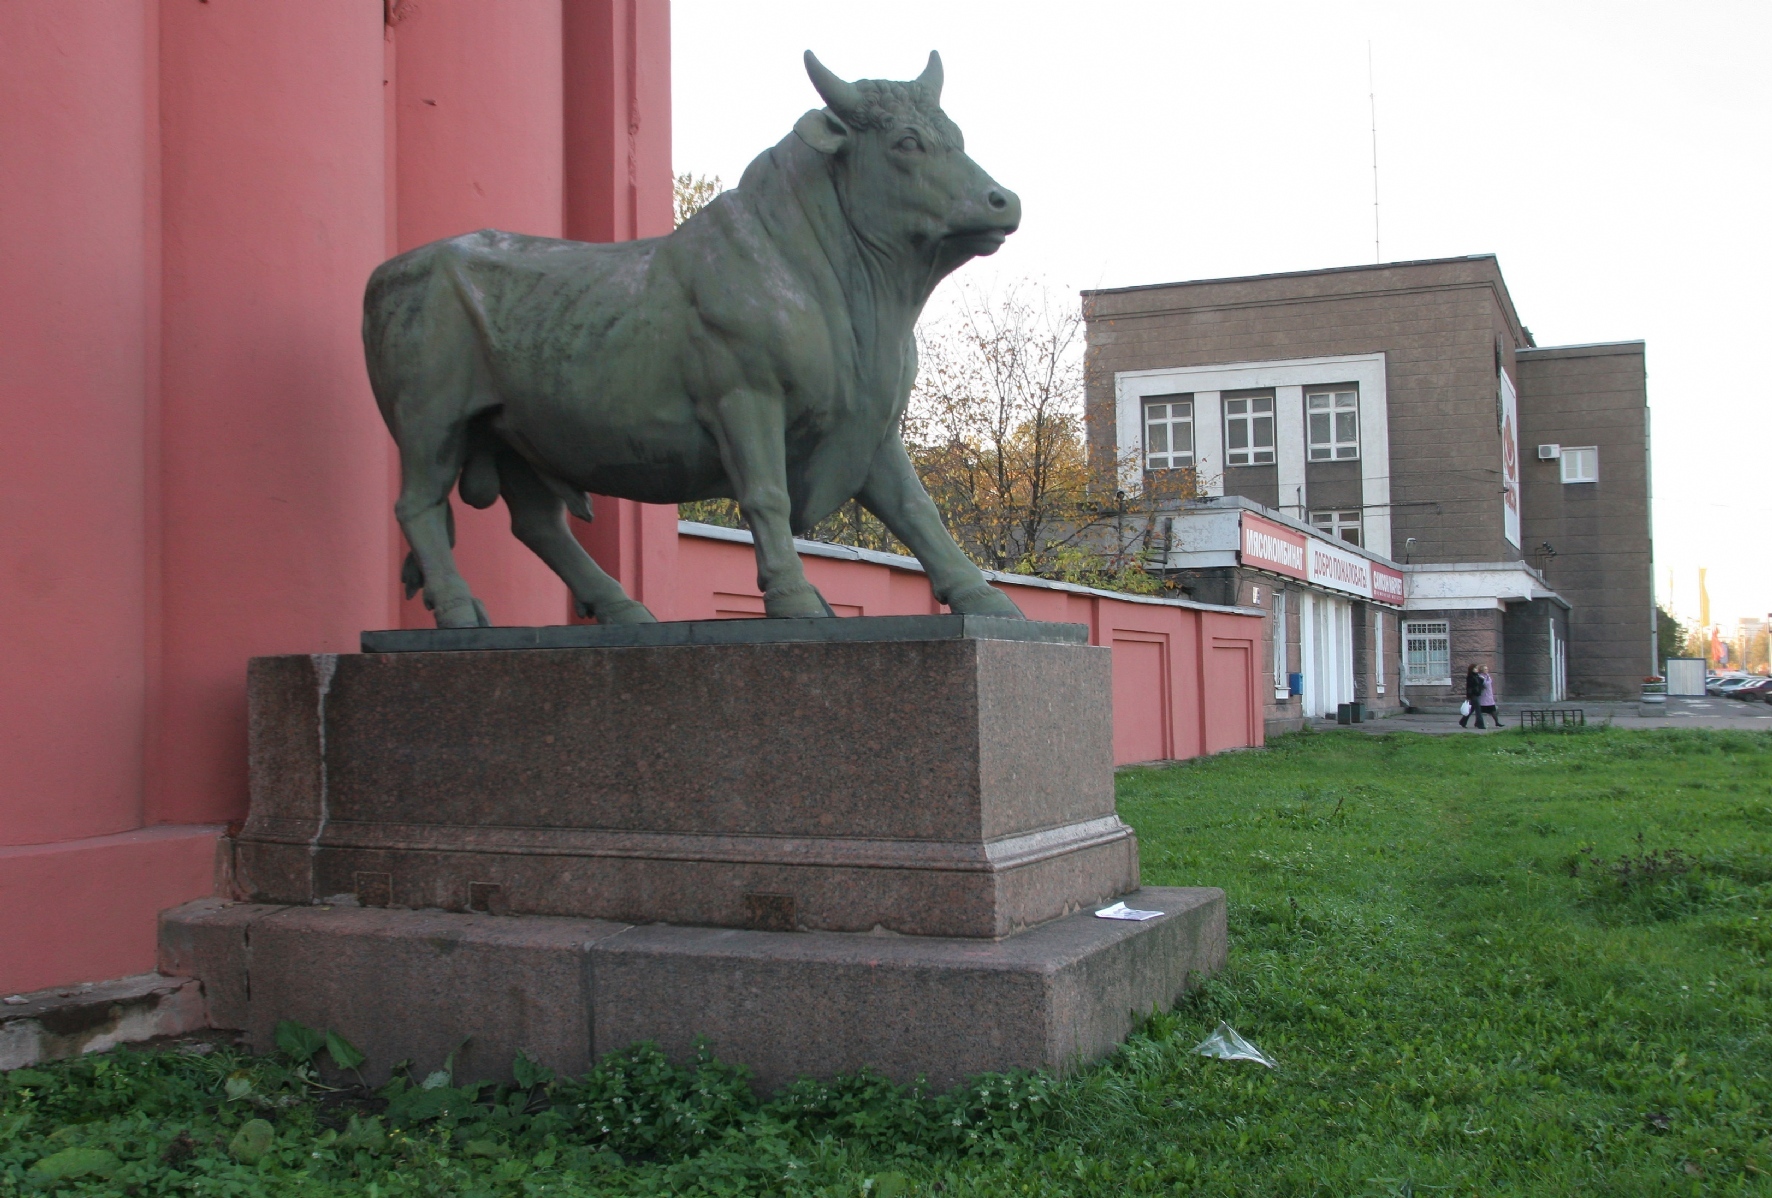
(618,187)
(77,146)
(478,114)
(274,459)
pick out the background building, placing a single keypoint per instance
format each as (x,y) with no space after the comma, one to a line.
(1404,408)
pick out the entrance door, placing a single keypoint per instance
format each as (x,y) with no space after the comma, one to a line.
(1307,653)
(1327,653)
(1556,663)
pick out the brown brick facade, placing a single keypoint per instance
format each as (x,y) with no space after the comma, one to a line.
(1446,329)
(1593,395)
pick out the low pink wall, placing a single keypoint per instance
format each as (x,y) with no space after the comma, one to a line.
(1169,656)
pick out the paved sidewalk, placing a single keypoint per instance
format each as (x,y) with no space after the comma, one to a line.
(1675,713)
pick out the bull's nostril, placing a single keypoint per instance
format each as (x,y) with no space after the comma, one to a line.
(998,200)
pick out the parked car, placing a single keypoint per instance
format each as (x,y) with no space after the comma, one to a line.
(1756,688)
(1722,684)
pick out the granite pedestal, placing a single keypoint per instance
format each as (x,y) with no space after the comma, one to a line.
(822,844)
(946,776)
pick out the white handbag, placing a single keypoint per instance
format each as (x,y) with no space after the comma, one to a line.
(1464,708)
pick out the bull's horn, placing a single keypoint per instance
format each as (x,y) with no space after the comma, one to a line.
(839,93)
(930,79)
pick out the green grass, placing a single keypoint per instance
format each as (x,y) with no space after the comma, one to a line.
(1515,964)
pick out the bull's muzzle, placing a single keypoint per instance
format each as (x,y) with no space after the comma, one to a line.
(999,217)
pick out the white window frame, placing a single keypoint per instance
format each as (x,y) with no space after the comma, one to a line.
(1170,422)
(1579,463)
(1254,415)
(1435,637)
(1333,522)
(1335,408)
(1287,379)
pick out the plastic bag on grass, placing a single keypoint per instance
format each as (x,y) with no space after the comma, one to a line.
(1226,1045)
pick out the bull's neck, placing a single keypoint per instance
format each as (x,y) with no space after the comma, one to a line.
(797,197)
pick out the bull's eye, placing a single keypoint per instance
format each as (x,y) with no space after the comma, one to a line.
(908,143)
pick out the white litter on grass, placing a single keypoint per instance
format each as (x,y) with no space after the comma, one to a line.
(1226,1045)
(1122,911)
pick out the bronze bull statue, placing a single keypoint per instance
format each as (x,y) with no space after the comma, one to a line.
(762,351)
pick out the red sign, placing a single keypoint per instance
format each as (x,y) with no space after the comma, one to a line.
(1387,585)
(1270,546)
(1320,560)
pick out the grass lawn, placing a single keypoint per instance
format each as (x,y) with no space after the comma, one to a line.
(1511,964)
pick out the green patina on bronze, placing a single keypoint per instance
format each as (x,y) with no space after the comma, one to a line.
(763,351)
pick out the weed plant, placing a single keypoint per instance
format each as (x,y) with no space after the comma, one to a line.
(1511,964)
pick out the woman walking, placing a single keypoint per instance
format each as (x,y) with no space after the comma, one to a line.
(1486,702)
(1473,697)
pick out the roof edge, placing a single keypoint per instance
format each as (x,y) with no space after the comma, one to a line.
(1286,274)
(1589,349)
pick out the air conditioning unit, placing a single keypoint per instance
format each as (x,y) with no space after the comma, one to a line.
(1549,453)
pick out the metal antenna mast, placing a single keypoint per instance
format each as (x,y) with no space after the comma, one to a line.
(1372,104)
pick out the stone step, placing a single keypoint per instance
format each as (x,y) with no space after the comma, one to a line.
(418,985)
(47,1025)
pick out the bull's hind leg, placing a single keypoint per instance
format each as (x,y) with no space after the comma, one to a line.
(538,519)
(427,472)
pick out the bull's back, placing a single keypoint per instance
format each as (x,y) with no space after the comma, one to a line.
(524,308)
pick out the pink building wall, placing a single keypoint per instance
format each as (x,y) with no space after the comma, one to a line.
(199,473)
(1185,674)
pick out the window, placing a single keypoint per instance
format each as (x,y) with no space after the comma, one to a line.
(1249,431)
(1334,420)
(1281,687)
(1168,432)
(1427,653)
(1343,524)
(1378,648)
(1581,465)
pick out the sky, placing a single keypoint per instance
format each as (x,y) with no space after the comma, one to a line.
(1617,157)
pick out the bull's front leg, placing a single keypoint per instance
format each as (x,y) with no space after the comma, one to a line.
(753,448)
(895,494)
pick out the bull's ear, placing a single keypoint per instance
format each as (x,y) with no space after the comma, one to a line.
(823,131)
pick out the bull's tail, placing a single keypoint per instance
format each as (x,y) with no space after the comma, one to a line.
(412,573)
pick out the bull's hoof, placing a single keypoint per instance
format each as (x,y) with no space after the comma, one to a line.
(463,613)
(796,603)
(983,600)
(624,611)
